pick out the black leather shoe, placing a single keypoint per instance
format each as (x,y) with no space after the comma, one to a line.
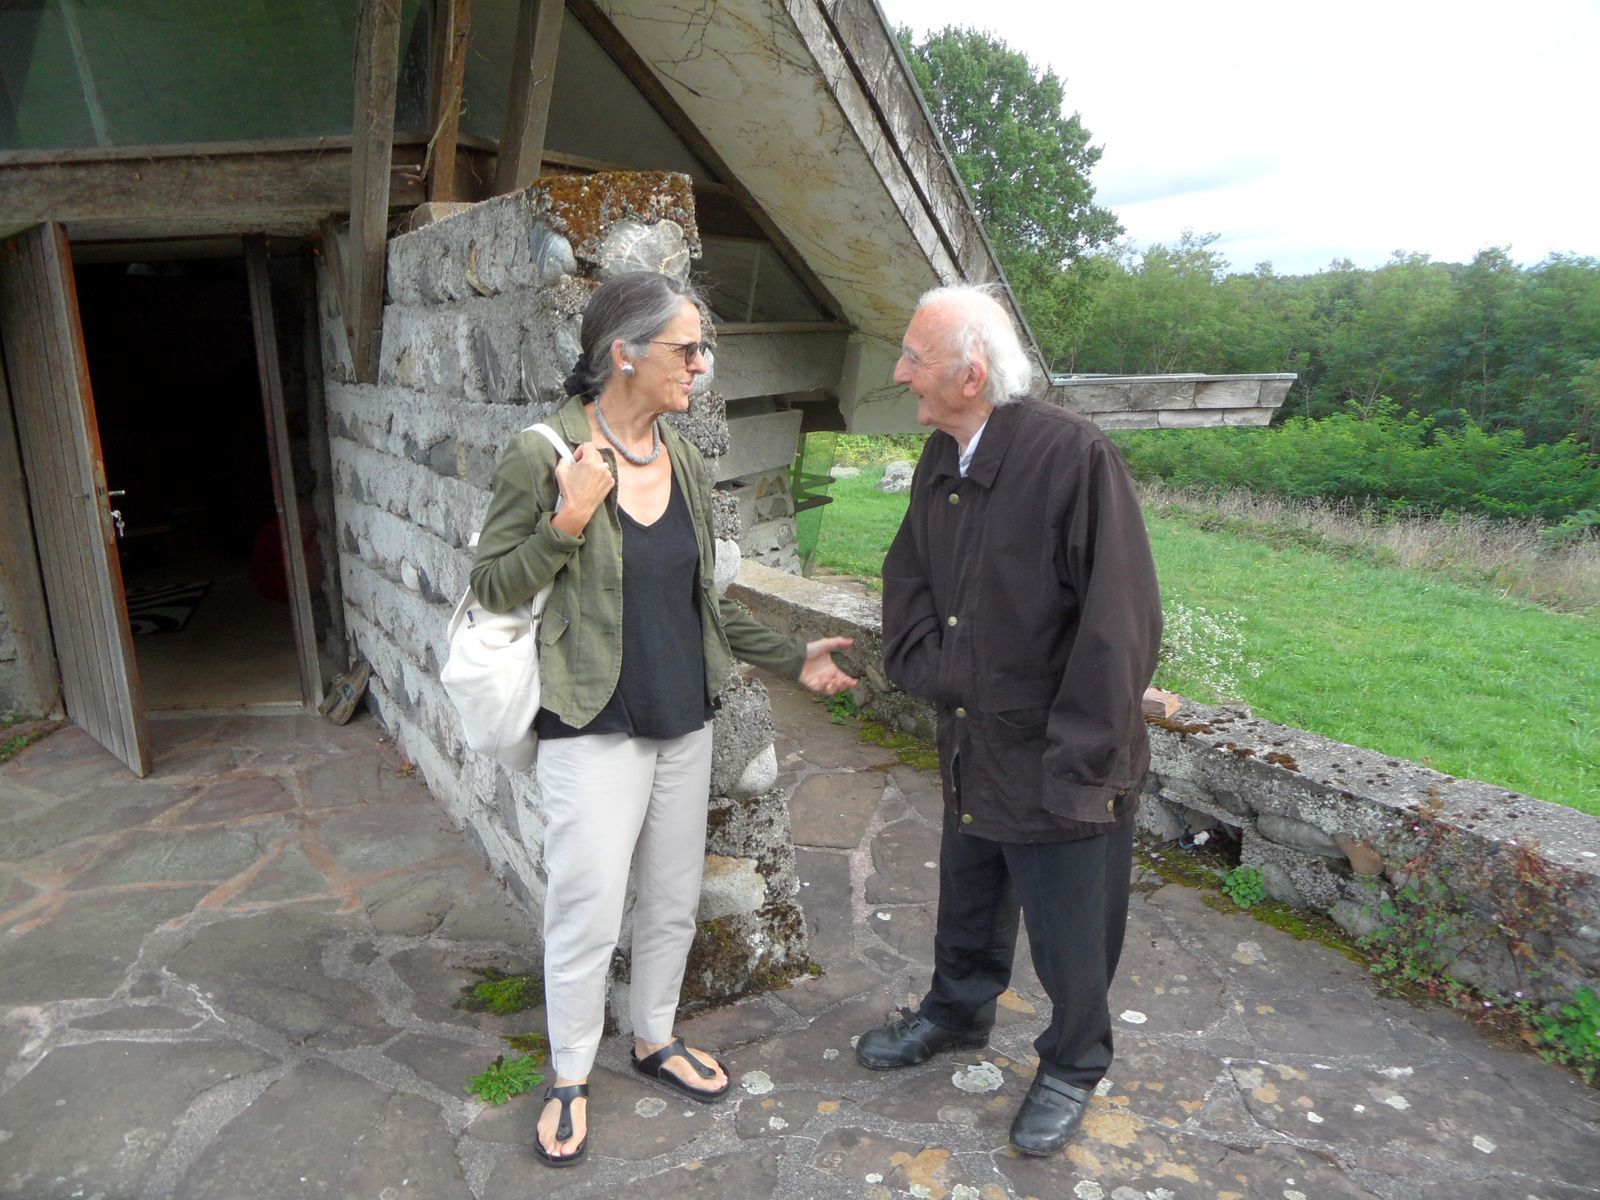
(1050,1114)
(910,1038)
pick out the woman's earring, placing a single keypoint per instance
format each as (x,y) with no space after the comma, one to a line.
(627,368)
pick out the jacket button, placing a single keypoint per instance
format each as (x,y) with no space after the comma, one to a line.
(966,818)
(961,712)
(952,620)
(1111,804)
(954,499)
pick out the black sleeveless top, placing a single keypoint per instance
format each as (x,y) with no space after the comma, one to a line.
(661,692)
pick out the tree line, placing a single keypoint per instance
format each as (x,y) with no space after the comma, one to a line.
(1490,344)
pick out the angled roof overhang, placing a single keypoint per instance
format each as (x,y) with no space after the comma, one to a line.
(811,106)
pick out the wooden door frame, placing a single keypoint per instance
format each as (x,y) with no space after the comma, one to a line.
(284,493)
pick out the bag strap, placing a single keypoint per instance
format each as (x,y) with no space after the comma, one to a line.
(554,438)
(551,436)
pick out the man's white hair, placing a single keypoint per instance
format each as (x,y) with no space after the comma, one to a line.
(981,331)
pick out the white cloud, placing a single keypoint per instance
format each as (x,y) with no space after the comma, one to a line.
(1303,134)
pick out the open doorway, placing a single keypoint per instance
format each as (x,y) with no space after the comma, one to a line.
(172,363)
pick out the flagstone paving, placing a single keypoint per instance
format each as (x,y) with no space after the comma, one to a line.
(238,979)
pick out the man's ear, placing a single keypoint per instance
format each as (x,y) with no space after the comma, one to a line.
(977,380)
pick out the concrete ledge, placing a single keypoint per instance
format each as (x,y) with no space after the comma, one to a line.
(1510,884)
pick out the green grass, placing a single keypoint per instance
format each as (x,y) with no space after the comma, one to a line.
(1398,661)
(858,527)
(1401,662)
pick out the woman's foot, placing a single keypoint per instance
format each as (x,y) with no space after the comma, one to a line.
(685,1074)
(550,1118)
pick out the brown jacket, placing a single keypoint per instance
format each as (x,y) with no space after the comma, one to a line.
(1022,601)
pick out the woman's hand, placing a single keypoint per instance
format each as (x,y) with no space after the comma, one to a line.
(819,674)
(585,482)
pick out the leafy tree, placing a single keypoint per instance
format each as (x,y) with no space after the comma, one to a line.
(1026,166)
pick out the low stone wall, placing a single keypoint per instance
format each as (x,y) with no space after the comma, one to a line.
(480,329)
(1505,889)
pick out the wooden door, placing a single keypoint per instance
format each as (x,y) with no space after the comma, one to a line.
(60,443)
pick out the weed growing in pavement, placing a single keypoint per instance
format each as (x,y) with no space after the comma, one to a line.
(841,707)
(1246,885)
(504,1080)
(1571,1035)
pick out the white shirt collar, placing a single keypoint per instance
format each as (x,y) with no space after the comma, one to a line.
(964,461)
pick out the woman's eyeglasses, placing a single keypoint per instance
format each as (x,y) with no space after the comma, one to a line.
(688,349)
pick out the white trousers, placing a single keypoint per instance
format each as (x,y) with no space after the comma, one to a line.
(612,799)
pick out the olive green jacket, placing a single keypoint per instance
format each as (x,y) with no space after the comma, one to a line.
(580,634)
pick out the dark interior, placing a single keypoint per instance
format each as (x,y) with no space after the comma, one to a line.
(172,366)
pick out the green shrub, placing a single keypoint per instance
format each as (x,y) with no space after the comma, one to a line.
(1403,464)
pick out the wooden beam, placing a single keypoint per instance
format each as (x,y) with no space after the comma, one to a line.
(452,22)
(213,189)
(533,79)
(654,91)
(281,458)
(376,73)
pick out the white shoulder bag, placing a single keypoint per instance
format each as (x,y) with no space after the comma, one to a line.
(492,670)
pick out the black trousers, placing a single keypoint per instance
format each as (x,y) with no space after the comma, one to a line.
(1074,897)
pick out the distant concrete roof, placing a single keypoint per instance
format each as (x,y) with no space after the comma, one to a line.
(1172,401)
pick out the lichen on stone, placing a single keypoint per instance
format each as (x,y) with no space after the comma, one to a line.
(583,208)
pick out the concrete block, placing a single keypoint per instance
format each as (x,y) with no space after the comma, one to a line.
(742,730)
(1227,393)
(730,886)
(762,442)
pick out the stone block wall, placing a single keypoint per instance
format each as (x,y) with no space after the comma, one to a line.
(1508,885)
(766,517)
(480,328)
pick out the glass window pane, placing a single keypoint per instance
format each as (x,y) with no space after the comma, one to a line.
(595,111)
(146,72)
(746,281)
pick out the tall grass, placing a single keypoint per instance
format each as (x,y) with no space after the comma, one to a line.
(1407,638)
(1514,558)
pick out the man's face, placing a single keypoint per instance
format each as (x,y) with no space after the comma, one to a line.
(930,373)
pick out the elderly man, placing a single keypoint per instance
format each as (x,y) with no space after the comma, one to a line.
(1020,597)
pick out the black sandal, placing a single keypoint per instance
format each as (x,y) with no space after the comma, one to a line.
(565,1096)
(654,1067)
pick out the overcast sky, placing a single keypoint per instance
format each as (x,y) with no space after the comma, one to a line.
(1304,133)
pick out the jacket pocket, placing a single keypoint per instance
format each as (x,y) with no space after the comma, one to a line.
(551,626)
(1017,697)
(1024,721)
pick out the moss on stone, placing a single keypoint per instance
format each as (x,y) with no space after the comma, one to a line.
(912,751)
(535,1045)
(583,208)
(502,994)
(1195,871)
(723,965)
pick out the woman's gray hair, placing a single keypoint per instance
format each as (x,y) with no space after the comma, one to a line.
(634,307)
(982,330)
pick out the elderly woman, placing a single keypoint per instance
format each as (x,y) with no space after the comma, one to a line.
(634,646)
